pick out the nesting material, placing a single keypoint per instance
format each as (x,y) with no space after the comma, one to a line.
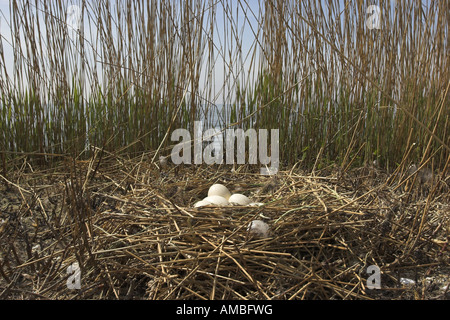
(239,199)
(259,229)
(163,163)
(219,190)
(255,204)
(407,282)
(424,175)
(145,243)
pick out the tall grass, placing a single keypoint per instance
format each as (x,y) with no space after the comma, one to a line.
(134,71)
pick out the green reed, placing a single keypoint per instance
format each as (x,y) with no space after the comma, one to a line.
(335,88)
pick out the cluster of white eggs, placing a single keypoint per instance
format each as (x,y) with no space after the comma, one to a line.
(219,195)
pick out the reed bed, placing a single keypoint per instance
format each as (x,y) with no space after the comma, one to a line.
(315,70)
(86,111)
(132,229)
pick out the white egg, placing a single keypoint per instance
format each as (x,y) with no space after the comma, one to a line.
(239,199)
(201,203)
(258,228)
(217,200)
(219,190)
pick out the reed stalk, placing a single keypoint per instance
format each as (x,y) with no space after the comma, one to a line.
(314,70)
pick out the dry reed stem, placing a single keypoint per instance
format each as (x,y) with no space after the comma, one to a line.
(143,240)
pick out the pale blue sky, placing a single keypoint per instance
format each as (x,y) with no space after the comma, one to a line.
(246,26)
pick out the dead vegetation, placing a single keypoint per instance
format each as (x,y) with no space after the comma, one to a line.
(134,234)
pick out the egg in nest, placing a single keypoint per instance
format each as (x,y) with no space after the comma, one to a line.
(201,203)
(239,199)
(216,200)
(219,190)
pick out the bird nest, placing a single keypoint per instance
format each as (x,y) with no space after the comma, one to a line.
(130,231)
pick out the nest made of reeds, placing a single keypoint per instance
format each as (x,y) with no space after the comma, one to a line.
(132,230)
